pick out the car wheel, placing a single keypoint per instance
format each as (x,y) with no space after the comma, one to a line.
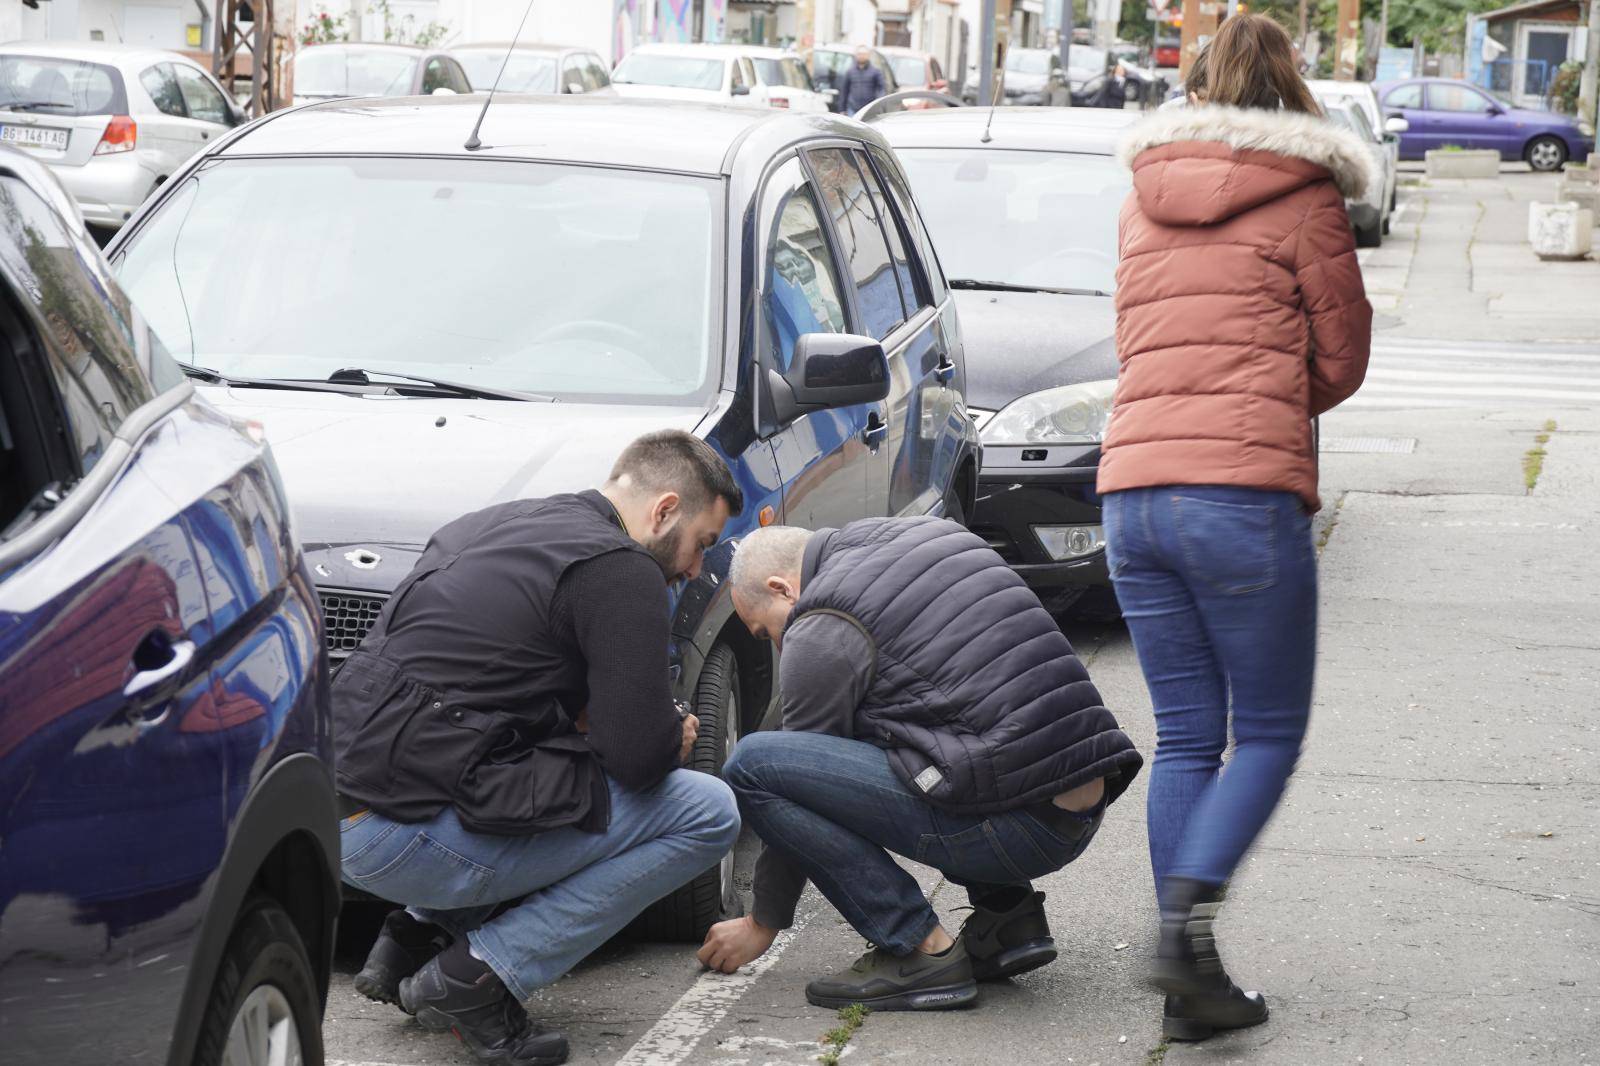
(1546,153)
(954,509)
(687,913)
(1387,226)
(1369,236)
(265,1006)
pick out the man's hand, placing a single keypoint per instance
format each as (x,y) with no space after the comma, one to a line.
(731,944)
(691,730)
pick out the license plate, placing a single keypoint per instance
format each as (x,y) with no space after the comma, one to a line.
(34,137)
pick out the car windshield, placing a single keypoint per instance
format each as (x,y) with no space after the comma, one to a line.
(353,72)
(781,71)
(1028,61)
(673,72)
(909,71)
(1032,219)
(526,72)
(571,281)
(51,86)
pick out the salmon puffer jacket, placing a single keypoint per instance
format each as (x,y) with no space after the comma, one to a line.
(1240,309)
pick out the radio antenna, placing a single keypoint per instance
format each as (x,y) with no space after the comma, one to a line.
(985,139)
(473,144)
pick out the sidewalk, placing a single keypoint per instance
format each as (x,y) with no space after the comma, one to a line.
(1458,264)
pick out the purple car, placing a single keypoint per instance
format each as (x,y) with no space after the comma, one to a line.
(1444,111)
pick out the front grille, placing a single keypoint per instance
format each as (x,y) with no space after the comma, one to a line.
(348,616)
(998,539)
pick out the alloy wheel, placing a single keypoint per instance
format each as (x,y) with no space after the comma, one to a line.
(1545,155)
(263,1032)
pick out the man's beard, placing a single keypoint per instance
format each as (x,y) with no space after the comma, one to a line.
(665,550)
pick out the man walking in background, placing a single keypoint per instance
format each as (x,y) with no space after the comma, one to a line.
(931,708)
(507,745)
(860,84)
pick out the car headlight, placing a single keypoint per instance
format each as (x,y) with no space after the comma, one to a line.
(1071,414)
(1586,128)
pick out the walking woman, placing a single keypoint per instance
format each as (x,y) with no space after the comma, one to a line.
(1240,317)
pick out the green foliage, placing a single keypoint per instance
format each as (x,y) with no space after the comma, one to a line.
(1564,87)
(1440,23)
(851,1018)
(405,30)
(323,28)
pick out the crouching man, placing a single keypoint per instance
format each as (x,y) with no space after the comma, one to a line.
(507,745)
(931,708)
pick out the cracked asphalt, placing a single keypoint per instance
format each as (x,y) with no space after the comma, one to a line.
(1430,890)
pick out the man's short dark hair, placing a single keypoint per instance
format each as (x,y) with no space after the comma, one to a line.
(670,460)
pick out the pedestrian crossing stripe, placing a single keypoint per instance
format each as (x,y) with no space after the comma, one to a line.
(1458,374)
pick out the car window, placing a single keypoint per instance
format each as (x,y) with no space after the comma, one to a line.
(889,82)
(44,85)
(572,75)
(794,73)
(162,86)
(434,76)
(1407,96)
(1358,119)
(598,78)
(861,240)
(458,77)
(526,72)
(203,99)
(1457,98)
(933,274)
(331,70)
(909,71)
(937,71)
(802,289)
(676,72)
(910,297)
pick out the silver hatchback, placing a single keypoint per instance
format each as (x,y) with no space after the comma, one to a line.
(111,121)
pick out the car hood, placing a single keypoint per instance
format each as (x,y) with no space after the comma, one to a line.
(391,470)
(1022,342)
(1024,83)
(668,92)
(1549,120)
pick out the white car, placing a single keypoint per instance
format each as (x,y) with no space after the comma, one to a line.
(1364,96)
(1370,214)
(743,75)
(111,121)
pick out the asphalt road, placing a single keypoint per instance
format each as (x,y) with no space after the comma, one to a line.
(1429,892)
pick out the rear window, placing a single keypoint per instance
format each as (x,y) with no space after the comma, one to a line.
(47,85)
(675,72)
(353,72)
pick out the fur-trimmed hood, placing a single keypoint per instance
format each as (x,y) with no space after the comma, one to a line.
(1202,165)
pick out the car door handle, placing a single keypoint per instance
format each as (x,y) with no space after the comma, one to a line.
(945,370)
(876,430)
(168,658)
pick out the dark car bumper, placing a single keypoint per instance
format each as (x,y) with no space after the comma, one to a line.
(1012,505)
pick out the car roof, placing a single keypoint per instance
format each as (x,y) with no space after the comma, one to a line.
(92,51)
(1063,129)
(1329,87)
(362,46)
(707,51)
(647,134)
(521,46)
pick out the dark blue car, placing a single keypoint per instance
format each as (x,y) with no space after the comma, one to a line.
(425,330)
(1444,112)
(168,827)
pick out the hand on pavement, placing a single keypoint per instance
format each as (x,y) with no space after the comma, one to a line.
(731,944)
(691,730)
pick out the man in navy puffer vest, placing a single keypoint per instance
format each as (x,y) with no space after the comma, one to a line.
(931,708)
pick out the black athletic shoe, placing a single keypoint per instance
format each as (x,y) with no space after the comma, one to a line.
(1201,998)
(483,1014)
(401,950)
(1004,943)
(1188,1018)
(916,981)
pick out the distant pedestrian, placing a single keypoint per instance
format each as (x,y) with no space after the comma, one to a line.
(1241,316)
(860,84)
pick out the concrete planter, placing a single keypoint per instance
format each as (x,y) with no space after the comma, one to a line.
(1584,195)
(1560,231)
(1475,164)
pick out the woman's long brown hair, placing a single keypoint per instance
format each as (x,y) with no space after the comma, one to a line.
(1250,63)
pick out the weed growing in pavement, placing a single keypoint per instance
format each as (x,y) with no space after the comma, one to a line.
(1333,520)
(1533,462)
(1158,1054)
(853,1018)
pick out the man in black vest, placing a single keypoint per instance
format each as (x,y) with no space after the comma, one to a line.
(931,708)
(507,745)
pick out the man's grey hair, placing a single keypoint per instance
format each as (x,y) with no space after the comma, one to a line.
(768,552)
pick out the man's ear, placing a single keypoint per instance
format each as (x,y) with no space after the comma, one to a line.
(663,510)
(782,588)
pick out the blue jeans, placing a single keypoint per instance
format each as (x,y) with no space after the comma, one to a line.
(1219,589)
(576,889)
(833,806)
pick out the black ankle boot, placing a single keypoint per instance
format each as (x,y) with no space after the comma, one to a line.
(480,1011)
(1200,996)
(400,951)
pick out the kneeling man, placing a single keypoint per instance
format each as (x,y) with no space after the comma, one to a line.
(931,708)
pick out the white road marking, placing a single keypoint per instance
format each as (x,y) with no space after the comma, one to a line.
(673,1037)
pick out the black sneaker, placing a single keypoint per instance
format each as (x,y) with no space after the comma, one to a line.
(1196,1018)
(1006,943)
(400,951)
(900,982)
(483,1014)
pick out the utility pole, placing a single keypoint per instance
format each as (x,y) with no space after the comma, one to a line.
(986,54)
(1383,38)
(1199,26)
(1591,68)
(1065,44)
(1347,47)
(1301,40)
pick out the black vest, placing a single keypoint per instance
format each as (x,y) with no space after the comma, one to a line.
(977,696)
(498,744)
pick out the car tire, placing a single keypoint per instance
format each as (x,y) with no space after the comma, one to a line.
(1546,153)
(686,914)
(1369,236)
(265,1005)
(954,509)
(1387,226)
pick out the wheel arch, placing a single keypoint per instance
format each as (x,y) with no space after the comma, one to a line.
(757,672)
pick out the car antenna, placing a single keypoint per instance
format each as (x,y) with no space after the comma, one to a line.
(473,144)
(993,103)
(985,139)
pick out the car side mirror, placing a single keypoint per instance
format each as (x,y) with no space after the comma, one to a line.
(1396,125)
(829,370)
(574,87)
(741,90)
(940,86)
(1495,110)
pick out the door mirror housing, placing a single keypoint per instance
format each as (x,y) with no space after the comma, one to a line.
(1396,125)
(829,370)
(1495,110)
(741,90)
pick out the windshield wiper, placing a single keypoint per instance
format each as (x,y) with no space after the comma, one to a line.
(1006,286)
(357,376)
(200,373)
(34,105)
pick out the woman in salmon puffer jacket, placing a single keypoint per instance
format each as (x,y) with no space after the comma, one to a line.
(1241,316)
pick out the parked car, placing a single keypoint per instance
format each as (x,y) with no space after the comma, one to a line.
(1034,77)
(1167,47)
(1442,112)
(914,69)
(689,276)
(112,122)
(1388,129)
(169,865)
(829,62)
(532,68)
(332,71)
(1369,216)
(718,73)
(1025,221)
